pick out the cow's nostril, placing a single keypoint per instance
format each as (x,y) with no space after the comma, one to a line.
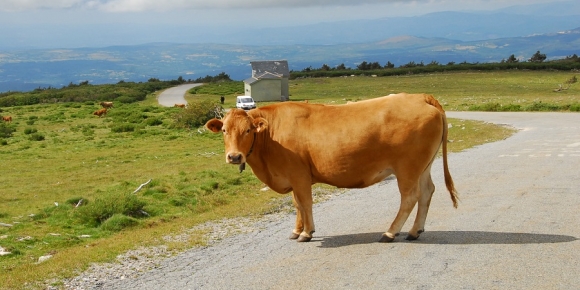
(235,158)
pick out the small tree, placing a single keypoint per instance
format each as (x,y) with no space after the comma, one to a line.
(363,66)
(512,59)
(573,57)
(538,57)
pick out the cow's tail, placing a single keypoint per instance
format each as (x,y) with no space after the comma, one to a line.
(448,180)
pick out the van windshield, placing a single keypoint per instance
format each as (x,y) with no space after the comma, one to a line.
(246,100)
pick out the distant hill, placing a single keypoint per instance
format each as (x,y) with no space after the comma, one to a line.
(553,29)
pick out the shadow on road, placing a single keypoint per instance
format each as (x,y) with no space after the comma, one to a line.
(448,238)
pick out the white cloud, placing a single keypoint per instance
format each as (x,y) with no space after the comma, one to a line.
(168,5)
(173,5)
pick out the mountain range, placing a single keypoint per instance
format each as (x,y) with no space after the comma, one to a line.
(443,37)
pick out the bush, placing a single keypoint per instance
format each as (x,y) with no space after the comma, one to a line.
(153,122)
(496,107)
(6,131)
(118,222)
(29,131)
(197,113)
(489,107)
(97,212)
(36,137)
(31,120)
(80,201)
(543,107)
(123,128)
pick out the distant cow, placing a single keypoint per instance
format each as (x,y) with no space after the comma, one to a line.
(179,106)
(7,119)
(106,105)
(292,145)
(100,112)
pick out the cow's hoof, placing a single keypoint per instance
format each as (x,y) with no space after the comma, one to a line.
(386,239)
(294,236)
(303,239)
(411,237)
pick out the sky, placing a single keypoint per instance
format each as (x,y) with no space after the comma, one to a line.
(79,23)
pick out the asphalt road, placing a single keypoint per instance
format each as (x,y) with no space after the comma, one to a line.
(517,227)
(174,95)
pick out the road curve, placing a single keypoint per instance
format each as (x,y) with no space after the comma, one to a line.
(517,227)
(175,95)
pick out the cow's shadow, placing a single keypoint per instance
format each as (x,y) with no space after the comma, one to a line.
(447,238)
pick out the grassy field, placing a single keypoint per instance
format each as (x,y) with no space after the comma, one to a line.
(61,156)
(457,91)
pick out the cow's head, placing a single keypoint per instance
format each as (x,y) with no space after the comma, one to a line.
(239,131)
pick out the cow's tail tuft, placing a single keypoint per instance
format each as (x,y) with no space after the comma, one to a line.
(448,180)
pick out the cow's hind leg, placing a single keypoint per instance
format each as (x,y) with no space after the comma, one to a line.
(409,196)
(426,192)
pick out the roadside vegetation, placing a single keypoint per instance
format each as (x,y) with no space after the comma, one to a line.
(76,188)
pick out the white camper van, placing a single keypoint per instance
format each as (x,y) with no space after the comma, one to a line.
(245,102)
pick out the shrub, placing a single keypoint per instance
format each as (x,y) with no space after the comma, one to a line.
(97,212)
(31,120)
(123,128)
(197,113)
(496,107)
(118,222)
(29,131)
(6,131)
(539,106)
(489,107)
(36,137)
(153,122)
(80,201)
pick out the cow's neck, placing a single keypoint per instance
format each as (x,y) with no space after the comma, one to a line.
(243,165)
(258,159)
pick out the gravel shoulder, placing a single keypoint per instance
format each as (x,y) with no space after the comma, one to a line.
(516,228)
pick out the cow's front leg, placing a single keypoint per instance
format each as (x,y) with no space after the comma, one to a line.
(299,225)
(304,221)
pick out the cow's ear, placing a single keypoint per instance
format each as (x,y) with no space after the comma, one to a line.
(214,125)
(261,124)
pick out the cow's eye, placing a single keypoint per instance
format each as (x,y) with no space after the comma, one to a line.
(248,131)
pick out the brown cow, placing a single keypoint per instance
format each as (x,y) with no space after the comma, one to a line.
(106,105)
(7,118)
(100,112)
(179,105)
(292,145)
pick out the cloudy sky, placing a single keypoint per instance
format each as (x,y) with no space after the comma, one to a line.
(78,23)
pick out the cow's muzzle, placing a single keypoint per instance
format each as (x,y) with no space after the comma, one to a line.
(235,158)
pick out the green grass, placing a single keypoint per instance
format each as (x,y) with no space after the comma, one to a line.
(513,91)
(91,166)
(457,91)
